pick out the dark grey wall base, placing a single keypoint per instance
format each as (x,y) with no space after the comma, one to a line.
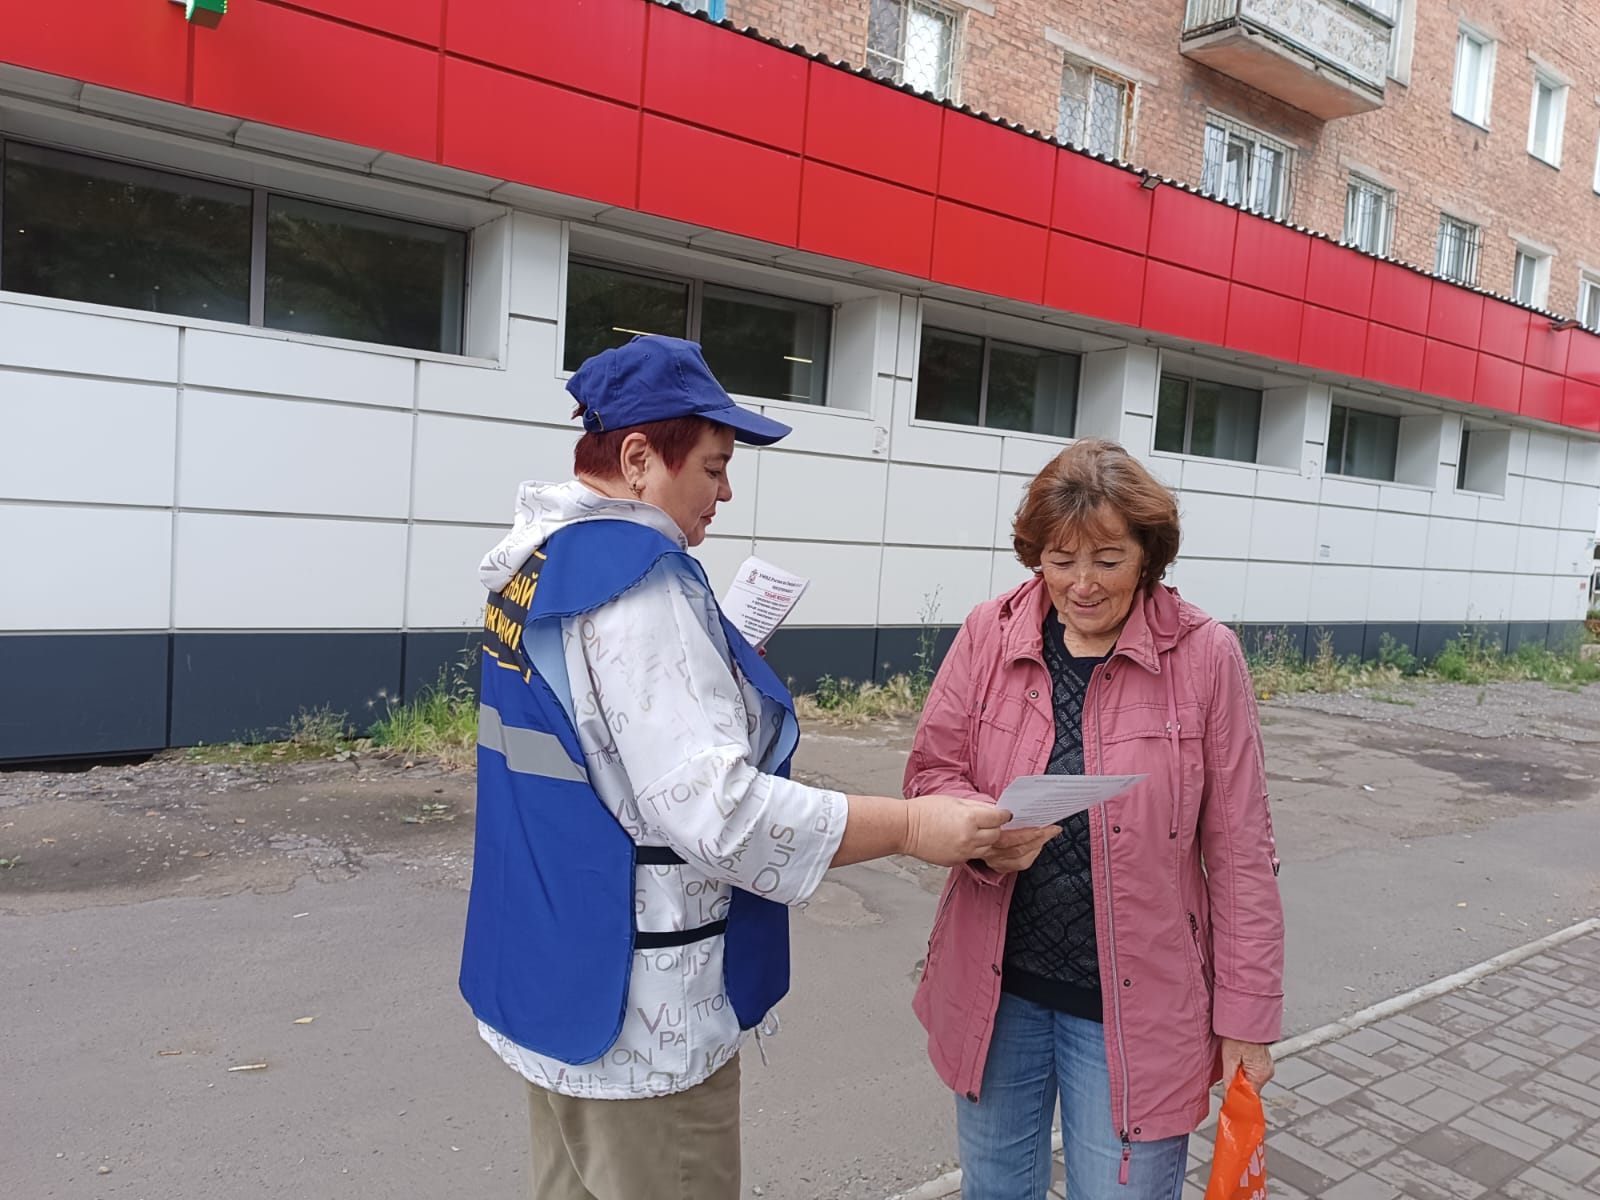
(104,694)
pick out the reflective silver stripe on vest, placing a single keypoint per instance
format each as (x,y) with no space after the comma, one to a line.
(527,751)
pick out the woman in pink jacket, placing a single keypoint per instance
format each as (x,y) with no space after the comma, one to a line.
(1131,957)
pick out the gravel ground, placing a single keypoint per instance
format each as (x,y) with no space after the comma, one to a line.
(1495,710)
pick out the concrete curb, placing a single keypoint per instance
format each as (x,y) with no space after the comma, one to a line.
(949,1184)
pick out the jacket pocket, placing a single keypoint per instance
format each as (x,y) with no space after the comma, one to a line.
(1203,977)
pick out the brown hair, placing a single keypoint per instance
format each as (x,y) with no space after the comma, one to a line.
(1081,486)
(599,455)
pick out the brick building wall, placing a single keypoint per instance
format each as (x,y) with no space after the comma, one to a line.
(1010,67)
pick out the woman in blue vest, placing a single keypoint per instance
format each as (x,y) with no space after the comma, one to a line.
(638,839)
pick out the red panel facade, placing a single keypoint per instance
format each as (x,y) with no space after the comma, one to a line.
(1455,314)
(594,45)
(829,224)
(856,123)
(1333,341)
(1339,279)
(1264,323)
(1542,395)
(1184,303)
(1270,256)
(1450,370)
(415,20)
(1580,405)
(1096,280)
(1192,232)
(988,253)
(1400,297)
(1505,330)
(1100,202)
(142,48)
(693,175)
(989,166)
(347,83)
(1498,384)
(1395,357)
(740,86)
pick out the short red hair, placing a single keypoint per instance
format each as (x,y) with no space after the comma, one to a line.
(599,455)
(1082,486)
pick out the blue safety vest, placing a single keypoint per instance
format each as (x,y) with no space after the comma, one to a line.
(550,923)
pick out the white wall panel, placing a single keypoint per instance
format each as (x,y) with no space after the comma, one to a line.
(1288,485)
(1517,452)
(1547,455)
(84,568)
(64,437)
(1339,593)
(1580,506)
(805,496)
(468,471)
(1505,508)
(1541,503)
(1280,532)
(1538,552)
(267,455)
(535,267)
(1569,598)
(1583,461)
(442,588)
(1345,535)
(1350,493)
(1494,548)
(1028,456)
(273,365)
(1005,574)
(831,431)
(844,580)
(1445,595)
(1448,502)
(1450,544)
(913,578)
(1215,526)
(234,572)
(1400,540)
(1217,587)
(524,389)
(1222,478)
(721,556)
(1574,552)
(1489,596)
(52,339)
(1396,595)
(1013,489)
(937,445)
(1277,593)
(1396,499)
(932,507)
(1530,597)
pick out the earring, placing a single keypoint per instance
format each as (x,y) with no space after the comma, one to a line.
(637,489)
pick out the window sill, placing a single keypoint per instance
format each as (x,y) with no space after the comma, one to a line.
(201,324)
(1388,483)
(1045,439)
(1554,166)
(562,375)
(1466,120)
(1251,464)
(1480,495)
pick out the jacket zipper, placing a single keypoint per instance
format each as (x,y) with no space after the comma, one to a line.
(1111,928)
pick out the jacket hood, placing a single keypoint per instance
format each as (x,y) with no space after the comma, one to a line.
(544,508)
(1158,621)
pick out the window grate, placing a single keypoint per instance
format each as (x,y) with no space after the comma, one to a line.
(1457,257)
(1095,110)
(1247,167)
(913,42)
(1369,215)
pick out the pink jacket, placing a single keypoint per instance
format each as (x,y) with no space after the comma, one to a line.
(1187,916)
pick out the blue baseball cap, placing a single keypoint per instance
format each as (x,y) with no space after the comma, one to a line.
(657,378)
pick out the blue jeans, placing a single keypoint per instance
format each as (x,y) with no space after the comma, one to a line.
(1005,1136)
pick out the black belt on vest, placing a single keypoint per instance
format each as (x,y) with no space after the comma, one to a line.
(666,856)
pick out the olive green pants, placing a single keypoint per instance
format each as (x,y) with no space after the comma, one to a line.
(679,1147)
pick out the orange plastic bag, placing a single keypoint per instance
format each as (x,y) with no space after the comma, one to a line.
(1239,1166)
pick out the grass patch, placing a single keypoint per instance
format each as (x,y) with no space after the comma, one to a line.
(1279,669)
(843,701)
(312,734)
(442,722)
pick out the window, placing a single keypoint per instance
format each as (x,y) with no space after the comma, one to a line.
(1548,120)
(717,10)
(1483,459)
(1246,167)
(82,228)
(1368,215)
(1589,303)
(1474,77)
(913,42)
(1402,39)
(1094,110)
(1212,420)
(767,347)
(1457,256)
(965,379)
(1363,444)
(1530,277)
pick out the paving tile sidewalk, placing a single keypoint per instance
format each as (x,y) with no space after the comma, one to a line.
(1488,1090)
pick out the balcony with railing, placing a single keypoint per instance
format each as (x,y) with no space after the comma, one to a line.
(1328,57)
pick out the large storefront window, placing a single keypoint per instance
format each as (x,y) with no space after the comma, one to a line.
(758,345)
(105,232)
(963,379)
(1208,419)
